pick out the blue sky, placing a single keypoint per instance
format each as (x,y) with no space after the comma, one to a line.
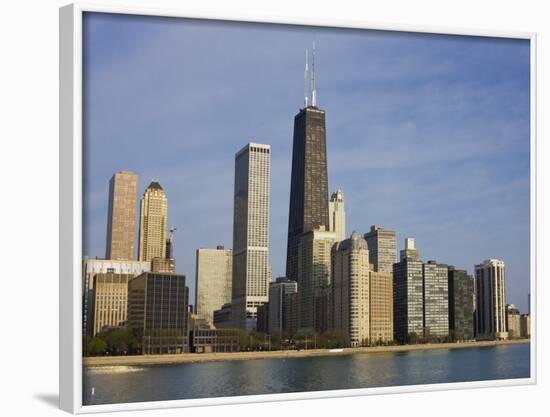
(426,134)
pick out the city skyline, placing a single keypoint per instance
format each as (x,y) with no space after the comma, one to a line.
(382,172)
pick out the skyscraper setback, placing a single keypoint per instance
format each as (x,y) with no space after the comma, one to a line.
(309,179)
(121,221)
(251,272)
(152,224)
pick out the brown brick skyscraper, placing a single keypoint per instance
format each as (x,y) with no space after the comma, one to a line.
(121,221)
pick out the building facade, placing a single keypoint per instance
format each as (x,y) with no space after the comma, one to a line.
(351,295)
(251,272)
(163,265)
(461,307)
(213,280)
(278,292)
(109,301)
(382,248)
(490,314)
(435,300)
(204,340)
(513,321)
(290,316)
(313,272)
(158,312)
(381,306)
(223,317)
(525,326)
(408,297)
(121,217)
(92,267)
(337,215)
(153,223)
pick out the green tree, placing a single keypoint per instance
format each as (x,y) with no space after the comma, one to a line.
(94,346)
(121,340)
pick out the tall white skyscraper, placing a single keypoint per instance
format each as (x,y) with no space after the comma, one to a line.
(251,272)
(490,305)
(213,281)
(337,215)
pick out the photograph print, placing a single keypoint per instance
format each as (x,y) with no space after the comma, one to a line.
(276,208)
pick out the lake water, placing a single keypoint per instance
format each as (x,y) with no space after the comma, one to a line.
(121,384)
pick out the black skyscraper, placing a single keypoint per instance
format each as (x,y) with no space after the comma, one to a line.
(309,182)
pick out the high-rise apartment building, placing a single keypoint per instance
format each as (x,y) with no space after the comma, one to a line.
(213,281)
(408,297)
(461,308)
(278,292)
(337,215)
(351,295)
(153,223)
(313,272)
(436,300)
(109,301)
(93,267)
(490,312)
(381,306)
(121,217)
(308,208)
(251,271)
(158,311)
(382,248)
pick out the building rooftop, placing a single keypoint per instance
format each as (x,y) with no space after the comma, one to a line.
(155,185)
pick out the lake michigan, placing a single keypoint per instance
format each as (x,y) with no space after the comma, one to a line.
(124,384)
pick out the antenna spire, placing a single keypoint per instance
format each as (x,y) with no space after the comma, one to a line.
(313,91)
(306,76)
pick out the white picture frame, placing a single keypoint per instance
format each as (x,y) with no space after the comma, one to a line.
(70,45)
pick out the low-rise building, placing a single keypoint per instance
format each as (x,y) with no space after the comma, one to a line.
(157,311)
(109,301)
(92,267)
(204,340)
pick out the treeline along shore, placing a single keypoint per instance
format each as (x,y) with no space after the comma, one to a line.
(281,354)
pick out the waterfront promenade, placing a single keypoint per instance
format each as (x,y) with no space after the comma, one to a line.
(208,357)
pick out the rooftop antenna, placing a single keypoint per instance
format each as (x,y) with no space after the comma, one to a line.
(306,76)
(170,243)
(313,91)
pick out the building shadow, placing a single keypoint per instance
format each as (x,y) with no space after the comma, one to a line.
(50,399)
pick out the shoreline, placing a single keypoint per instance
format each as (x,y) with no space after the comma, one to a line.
(279,354)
